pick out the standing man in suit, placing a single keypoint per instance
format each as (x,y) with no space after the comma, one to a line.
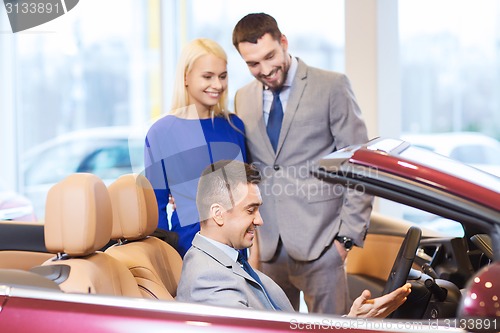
(295,114)
(228,200)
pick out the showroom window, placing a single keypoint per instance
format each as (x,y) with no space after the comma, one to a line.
(450,65)
(110,64)
(450,68)
(86,70)
(97,66)
(315,30)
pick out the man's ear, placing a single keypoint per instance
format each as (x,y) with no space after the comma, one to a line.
(216,211)
(284,42)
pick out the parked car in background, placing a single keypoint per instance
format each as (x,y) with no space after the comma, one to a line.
(476,149)
(107,152)
(15,207)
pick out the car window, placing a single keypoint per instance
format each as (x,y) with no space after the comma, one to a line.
(470,154)
(476,154)
(430,221)
(424,146)
(108,162)
(493,155)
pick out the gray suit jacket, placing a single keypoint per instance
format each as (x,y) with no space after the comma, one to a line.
(209,276)
(321,116)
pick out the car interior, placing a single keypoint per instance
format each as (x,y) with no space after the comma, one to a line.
(22,245)
(100,240)
(438,268)
(155,264)
(78,223)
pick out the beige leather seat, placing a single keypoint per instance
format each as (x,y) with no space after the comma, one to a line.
(78,222)
(155,264)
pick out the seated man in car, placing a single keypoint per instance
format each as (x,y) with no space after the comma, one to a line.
(228,201)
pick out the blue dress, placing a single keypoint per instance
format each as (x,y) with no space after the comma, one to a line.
(177,151)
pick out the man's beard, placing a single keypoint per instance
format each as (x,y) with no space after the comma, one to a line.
(283,72)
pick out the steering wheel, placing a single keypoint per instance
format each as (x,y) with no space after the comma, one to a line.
(404,260)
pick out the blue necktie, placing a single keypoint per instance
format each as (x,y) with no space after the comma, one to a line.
(275,119)
(251,272)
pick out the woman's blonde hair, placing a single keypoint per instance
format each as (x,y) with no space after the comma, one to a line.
(192,52)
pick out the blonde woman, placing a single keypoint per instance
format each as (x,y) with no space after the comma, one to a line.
(198,131)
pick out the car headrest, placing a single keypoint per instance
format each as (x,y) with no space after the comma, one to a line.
(135,209)
(78,215)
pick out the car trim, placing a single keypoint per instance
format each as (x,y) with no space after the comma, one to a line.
(201,311)
(447,182)
(400,192)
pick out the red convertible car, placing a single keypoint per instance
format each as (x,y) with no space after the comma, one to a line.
(458,276)
(454,279)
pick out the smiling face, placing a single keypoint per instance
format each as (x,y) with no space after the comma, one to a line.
(206,82)
(239,223)
(268,60)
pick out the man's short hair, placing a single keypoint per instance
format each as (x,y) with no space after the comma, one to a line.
(253,26)
(218,183)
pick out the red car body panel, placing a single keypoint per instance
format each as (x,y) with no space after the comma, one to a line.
(421,173)
(22,315)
